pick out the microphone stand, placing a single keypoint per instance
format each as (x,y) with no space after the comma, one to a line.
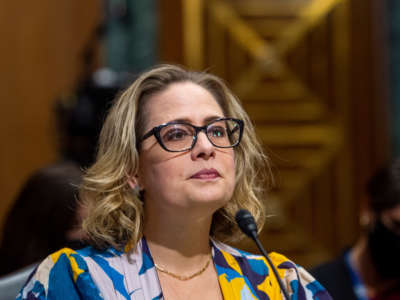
(260,247)
(248,226)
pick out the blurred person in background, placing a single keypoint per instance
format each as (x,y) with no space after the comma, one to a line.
(46,215)
(370,270)
(80,115)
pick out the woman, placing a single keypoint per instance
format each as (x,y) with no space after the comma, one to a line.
(178,156)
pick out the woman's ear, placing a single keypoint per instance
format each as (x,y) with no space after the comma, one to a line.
(133,182)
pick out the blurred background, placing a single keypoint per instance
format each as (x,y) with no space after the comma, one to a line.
(320,79)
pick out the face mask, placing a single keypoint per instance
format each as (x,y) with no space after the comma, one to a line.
(384,245)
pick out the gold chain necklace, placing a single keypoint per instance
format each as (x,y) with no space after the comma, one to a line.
(180,277)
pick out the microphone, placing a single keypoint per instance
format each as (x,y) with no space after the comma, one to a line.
(248,226)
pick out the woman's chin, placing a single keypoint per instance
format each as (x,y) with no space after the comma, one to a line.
(213,200)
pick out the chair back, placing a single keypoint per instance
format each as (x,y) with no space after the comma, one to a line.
(11,284)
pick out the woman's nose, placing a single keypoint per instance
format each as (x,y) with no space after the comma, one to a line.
(203,147)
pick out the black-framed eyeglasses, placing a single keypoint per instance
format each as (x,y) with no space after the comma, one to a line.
(180,136)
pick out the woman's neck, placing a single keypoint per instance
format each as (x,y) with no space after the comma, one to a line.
(178,243)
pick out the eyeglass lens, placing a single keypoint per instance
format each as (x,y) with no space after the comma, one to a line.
(178,137)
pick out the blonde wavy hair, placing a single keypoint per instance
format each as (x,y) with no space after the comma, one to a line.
(115,211)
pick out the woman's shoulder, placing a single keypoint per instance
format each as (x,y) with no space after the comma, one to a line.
(63,275)
(254,267)
(276,258)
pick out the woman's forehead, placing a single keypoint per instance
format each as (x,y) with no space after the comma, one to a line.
(182,101)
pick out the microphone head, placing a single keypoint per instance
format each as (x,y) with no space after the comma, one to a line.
(246,223)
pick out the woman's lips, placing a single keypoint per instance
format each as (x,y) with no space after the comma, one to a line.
(206,174)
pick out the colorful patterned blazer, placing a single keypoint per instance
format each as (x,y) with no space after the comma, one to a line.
(112,274)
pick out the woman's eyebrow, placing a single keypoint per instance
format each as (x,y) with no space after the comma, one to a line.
(206,120)
(212,118)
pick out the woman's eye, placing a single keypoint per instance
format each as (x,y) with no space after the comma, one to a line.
(175,135)
(217,131)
